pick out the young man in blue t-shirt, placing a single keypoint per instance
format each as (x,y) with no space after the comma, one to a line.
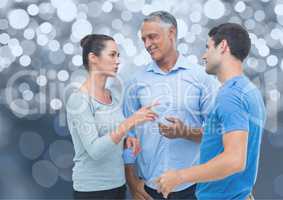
(232,134)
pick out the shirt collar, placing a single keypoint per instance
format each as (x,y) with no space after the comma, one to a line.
(182,63)
(232,81)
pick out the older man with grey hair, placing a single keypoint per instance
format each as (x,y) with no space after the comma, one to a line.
(185,94)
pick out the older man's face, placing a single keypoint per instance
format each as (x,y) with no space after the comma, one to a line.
(158,40)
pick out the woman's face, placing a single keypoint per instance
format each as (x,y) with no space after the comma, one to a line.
(108,61)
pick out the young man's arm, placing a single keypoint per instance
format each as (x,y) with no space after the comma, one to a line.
(230,161)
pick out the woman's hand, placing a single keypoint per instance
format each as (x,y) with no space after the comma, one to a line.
(144,114)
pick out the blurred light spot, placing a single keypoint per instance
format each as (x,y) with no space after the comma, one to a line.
(119,38)
(42,40)
(17,50)
(134,5)
(195,16)
(250,24)
(23,86)
(25,60)
(94,6)
(31,145)
(259,15)
(248,13)
(117,24)
(142,59)
(67,11)
(6,56)
(190,38)
(104,30)
(4,38)
(79,76)
(4,24)
(126,15)
(54,45)
(13,42)
(45,27)
(182,28)
(56,104)
(193,59)
(129,47)
(281,66)
(3,3)
(45,173)
(196,29)
(214,9)
(61,153)
(20,108)
(82,15)
(235,19)
(27,95)
(77,60)
(107,7)
(41,80)
(278,9)
(263,50)
(63,75)
(33,9)
(18,18)
(272,60)
(252,62)
(276,33)
(68,48)
(29,33)
(81,28)
(183,48)
(240,6)
(46,11)
(274,95)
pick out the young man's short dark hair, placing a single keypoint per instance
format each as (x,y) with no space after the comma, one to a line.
(237,37)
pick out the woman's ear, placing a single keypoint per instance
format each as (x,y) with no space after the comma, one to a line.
(92,58)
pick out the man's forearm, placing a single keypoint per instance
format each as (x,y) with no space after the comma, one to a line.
(130,174)
(217,168)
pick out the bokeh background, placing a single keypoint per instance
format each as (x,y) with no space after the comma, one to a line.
(40,63)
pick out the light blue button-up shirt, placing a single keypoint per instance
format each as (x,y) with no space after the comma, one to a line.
(185,92)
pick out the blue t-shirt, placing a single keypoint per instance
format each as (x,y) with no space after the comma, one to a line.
(238,106)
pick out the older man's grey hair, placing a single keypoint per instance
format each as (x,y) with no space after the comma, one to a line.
(165,18)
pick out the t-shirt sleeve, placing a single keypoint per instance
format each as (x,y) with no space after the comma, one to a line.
(232,113)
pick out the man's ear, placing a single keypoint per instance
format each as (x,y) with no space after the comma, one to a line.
(173,32)
(224,46)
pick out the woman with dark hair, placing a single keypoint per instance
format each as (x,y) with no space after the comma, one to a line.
(97,124)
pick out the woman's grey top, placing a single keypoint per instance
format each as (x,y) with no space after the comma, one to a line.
(98,160)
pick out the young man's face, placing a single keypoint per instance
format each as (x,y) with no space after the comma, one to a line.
(212,57)
(158,40)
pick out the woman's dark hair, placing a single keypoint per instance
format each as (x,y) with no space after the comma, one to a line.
(93,43)
(237,38)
